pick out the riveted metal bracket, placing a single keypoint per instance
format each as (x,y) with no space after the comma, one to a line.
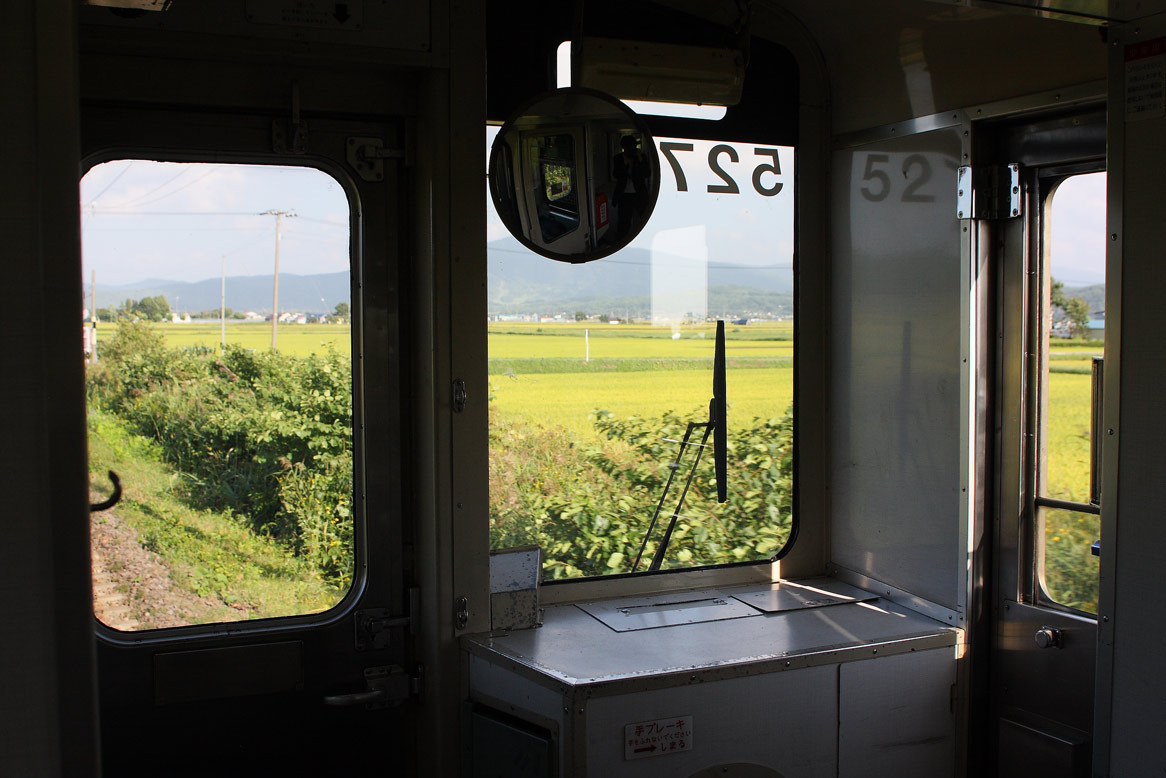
(367,157)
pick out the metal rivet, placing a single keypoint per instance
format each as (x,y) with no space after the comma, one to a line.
(1113,236)
(960,214)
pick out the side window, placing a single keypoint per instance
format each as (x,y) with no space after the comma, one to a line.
(597,372)
(1072,332)
(217,334)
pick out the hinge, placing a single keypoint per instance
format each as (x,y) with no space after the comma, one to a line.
(989,192)
(367,157)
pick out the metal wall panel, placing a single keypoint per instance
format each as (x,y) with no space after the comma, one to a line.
(895,716)
(786,721)
(894,59)
(1130,681)
(898,352)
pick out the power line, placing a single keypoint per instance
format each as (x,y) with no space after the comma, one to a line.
(111,183)
(179,189)
(176,213)
(175,229)
(155,189)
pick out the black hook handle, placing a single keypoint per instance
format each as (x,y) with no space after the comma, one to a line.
(113,498)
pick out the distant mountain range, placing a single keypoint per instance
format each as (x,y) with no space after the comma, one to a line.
(306,294)
(523,283)
(519,283)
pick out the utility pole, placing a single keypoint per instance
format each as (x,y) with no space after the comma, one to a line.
(275,286)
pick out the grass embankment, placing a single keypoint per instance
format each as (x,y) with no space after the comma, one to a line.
(210,554)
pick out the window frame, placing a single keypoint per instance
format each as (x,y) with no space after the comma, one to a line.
(360,569)
(1037,503)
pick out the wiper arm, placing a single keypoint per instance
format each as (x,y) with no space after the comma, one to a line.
(716,425)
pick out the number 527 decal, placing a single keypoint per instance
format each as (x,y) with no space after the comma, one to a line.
(763,184)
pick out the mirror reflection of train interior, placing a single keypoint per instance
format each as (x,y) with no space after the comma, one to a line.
(787,406)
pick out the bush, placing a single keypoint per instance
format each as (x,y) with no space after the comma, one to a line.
(589,509)
(265,435)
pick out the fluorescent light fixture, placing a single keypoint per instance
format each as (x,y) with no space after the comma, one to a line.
(644,83)
(135,5)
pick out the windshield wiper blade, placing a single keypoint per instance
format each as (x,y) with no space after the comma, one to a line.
(716,425)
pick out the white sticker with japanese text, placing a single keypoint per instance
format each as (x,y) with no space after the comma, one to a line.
(657,738)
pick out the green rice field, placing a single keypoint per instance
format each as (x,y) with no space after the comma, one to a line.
(556,375)
(295,339)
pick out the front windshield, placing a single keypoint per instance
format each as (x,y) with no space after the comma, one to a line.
(597,370)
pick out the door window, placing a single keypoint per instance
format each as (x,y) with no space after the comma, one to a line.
(217,335)
(1072,332)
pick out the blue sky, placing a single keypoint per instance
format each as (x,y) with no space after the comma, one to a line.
(131,230)
(180,221)
(1077,220)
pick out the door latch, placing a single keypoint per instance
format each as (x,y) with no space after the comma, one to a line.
(373,627)
(459,395)
(290,135)
(367,157)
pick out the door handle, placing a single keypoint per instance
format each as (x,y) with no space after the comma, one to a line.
(388,686)
(357,698)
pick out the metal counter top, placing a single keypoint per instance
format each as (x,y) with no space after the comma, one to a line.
(574,648)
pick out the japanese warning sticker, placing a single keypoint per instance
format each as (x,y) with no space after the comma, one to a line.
(1145,79)
(656,738)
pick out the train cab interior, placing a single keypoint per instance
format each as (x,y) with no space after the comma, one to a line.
(783,406)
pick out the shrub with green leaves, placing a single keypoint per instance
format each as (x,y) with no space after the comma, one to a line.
(265,435)
(589,508)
